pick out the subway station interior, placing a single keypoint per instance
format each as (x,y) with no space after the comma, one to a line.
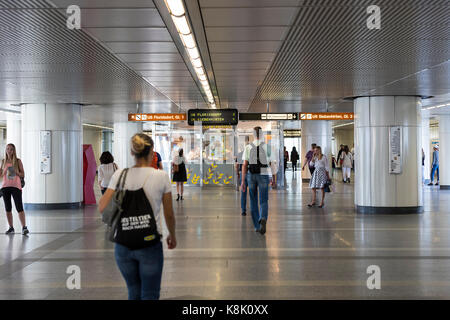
(81,77)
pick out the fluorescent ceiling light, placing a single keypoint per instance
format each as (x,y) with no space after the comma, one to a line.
(199,71)
(197,63)
(188,40)
(193,53)
(182,25)
(175,7)
(343,125)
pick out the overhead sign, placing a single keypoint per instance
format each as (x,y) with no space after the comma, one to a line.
(395,150)
(292,133)
(156,116)
(213,117)
(267,116)
(326,115)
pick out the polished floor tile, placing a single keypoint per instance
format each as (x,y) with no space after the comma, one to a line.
(307,253)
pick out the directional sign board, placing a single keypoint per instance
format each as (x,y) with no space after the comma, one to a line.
(156,116)
(267,116)
(326,116)
(211,117)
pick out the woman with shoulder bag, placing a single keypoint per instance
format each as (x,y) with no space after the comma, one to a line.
(321,177)
(13,181)
(142,268)
(106,170)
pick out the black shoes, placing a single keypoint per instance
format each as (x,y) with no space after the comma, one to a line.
(25,231)
(430,184)
(244,213)
(178,198)
(263,226)
(348,180)
(181,198)
(437,183)
(344,181)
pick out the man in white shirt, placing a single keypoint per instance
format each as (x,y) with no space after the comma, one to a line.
(257,170)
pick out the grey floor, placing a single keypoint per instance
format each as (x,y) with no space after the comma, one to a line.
(306,253)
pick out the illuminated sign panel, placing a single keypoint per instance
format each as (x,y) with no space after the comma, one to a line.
(213,117)
(326,115)
(267,116)
(156,116)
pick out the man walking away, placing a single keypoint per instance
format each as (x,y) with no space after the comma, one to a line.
(435,166)
(238,168)
(257,170)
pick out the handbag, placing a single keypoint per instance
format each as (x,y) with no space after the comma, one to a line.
(113,210)
(326,186)
(22,182)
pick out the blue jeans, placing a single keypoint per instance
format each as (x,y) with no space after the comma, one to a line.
(244,197)
(435,167)
(258,182)
(142,270)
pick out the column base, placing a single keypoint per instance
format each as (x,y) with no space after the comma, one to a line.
(388,210)
(52,206)
(445,187)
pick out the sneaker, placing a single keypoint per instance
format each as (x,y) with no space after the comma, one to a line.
(10,230)
(244,214)
(437,183)
(430,184)
(348,180)
(263,226)
(25,231)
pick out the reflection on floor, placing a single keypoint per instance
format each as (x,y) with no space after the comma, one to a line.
(306,253)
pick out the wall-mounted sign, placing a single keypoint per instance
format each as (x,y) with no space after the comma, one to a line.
(156,116)
(292,133)
(212,117)
(45,151)
(326,115)
(267,116)
(217,127)
(395,150)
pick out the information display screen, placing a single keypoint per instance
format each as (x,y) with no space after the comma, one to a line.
(326,115)
(267,116)
(212,117)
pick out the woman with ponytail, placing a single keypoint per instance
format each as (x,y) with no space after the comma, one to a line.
(12,172)
(142,268)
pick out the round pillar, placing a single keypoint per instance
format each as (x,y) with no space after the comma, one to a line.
(123,131)
(62,187)
(426,144)
(318,132)
(444,151)
(14,132)
(377,190)
(107,141)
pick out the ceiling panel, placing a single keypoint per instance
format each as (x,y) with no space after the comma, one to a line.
(105,3)
(241,17)
(244,47)
(330,54)
(93,18)
(245,33)
(141,47)
(129,34)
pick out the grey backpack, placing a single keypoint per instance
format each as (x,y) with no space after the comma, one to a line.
(113,211)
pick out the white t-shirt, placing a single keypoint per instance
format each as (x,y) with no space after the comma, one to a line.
(105,172)
(246,156)
(157,183)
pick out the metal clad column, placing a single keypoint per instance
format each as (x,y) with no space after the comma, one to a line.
(123,131)
(318,132)
(426,144)
(62,187)
(376,189)
(444,151)
(13,133)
